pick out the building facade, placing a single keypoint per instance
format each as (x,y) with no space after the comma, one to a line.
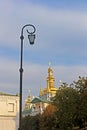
(9,111)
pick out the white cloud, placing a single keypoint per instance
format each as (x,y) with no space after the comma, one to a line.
(34,75)
(69,73)
(49,23)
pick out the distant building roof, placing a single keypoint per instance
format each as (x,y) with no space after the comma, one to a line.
(38,99)
(26,112)
(6,94)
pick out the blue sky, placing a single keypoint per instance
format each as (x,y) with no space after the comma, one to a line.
(61,38)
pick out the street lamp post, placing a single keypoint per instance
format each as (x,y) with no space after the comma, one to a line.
(31,37)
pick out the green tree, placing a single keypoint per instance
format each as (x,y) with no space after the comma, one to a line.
(81,86)
(47,118)
(66,100)
(30,123)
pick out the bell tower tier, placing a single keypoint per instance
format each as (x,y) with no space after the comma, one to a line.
(50,79)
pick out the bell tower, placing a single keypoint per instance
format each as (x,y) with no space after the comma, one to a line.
(50,89)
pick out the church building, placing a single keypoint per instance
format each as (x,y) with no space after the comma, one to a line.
(38,104)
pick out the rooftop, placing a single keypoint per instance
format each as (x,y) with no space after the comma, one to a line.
(7,94)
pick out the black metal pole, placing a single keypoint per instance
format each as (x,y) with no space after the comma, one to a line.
(21,72)
(21,77)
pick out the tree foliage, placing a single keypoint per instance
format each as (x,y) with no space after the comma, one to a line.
(30,123)
(81,86)
(66,101)
(47,119)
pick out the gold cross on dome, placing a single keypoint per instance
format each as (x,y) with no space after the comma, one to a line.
(49,64)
